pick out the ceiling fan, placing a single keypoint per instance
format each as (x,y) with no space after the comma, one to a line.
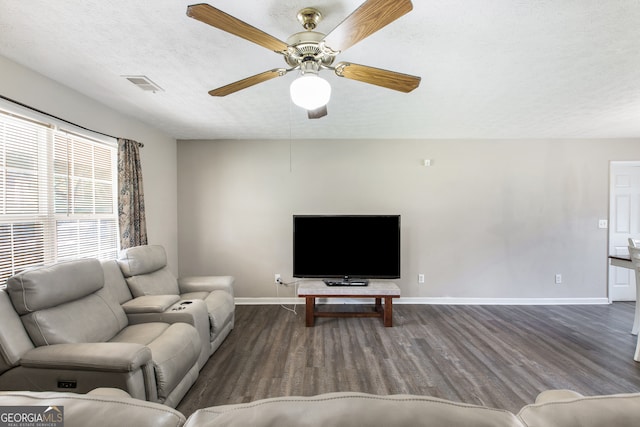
(310,51)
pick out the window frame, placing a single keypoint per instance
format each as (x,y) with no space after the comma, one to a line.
(48,214)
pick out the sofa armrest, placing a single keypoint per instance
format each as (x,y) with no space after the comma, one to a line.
(105,357)
(605,410)
(205,283)
(150,304)
(185,311)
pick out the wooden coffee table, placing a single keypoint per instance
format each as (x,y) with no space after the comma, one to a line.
(378,290)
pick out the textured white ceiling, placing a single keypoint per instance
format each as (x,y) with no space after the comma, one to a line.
(489,68)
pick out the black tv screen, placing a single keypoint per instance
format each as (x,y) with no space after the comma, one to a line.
(346,246)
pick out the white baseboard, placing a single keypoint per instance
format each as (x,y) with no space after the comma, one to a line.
(429,301)
(269,301)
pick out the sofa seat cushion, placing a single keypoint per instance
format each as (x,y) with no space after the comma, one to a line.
(143,333)
(195,295)
(353,409)
(620,410)
(174,350)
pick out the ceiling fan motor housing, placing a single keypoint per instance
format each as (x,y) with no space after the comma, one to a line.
(308,46)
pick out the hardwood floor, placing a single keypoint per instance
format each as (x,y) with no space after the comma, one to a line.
(499,356)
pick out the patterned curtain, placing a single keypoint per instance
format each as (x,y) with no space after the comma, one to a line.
(131,213)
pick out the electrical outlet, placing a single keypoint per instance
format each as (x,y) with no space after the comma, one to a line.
(558,279)
(420,278)
(276,278)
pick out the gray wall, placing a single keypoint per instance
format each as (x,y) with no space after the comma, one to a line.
(489,219)
(158,156)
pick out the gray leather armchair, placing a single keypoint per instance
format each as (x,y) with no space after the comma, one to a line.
(63,331)
(147,274)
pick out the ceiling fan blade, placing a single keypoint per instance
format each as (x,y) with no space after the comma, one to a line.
(317,113)
(248,82)
(371,16)
(377,76)
(225,22)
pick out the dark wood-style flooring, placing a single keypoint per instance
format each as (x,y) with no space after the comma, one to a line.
(499,356)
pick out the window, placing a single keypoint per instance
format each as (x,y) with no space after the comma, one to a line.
(57,195)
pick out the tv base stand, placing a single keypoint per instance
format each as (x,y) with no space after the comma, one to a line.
(346,282)
(378,290)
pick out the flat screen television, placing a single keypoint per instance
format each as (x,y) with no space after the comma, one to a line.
(351,248)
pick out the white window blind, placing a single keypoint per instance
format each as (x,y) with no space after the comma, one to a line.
(57,196)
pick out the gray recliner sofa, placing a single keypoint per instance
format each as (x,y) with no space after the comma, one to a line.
(147,274)
(553,408)
(63,331)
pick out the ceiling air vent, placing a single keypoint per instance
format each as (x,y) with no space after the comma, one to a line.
(144,83)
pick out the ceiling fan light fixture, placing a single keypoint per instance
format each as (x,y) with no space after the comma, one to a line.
(309,91)
(311,51)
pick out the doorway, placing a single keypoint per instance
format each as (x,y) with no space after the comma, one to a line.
(624,222)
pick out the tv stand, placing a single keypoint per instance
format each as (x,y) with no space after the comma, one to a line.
(346,282)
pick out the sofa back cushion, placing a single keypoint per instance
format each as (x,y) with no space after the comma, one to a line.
(353,409)
(115,283)
(142,260)
(620,410)
(44,287)
(145,269)
(87,320)
(14,341)
(161,282)
(66,303)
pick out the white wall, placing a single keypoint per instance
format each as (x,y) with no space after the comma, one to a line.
(489,218)
(158,155)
